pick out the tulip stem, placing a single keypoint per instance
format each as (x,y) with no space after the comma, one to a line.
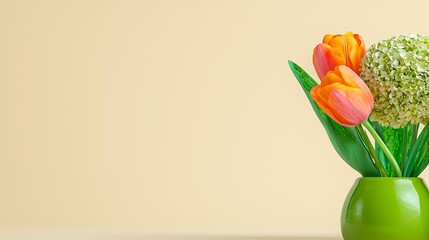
(404,146)
(384,148)
(371,150)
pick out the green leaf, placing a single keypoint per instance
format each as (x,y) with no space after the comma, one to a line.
(344,139)
(393,138)
(419,155)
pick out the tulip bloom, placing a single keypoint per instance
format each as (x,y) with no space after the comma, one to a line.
(347,49)
(344,96)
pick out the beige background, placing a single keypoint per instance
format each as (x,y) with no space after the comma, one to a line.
(173,116)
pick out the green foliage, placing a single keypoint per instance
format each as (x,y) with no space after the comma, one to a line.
(418,158)
(345,140)
(394,140)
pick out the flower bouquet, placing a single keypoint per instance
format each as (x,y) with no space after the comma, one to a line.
(372,103)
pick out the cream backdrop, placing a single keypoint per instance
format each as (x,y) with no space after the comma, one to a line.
(173,115)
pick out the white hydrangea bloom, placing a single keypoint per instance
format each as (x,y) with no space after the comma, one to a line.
(397,73)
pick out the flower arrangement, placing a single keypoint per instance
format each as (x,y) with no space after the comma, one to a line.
(382,92)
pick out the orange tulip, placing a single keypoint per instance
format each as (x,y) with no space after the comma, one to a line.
(344,96)
(347,49)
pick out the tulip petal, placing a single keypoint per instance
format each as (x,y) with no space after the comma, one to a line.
(332,77)
(349,106)
(336,50)
(352,79)
(324,91)
(326,58)
(355,49)
(327,38)
(322,101)
(344,96)
(322,61)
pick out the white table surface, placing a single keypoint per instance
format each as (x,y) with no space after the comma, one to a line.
(61,234)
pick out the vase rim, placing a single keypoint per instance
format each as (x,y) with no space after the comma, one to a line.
(390,179)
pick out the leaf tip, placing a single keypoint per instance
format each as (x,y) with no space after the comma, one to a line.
(291,64)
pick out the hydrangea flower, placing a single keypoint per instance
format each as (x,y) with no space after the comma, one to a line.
(397,73)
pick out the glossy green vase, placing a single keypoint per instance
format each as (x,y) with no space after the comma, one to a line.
(378,208)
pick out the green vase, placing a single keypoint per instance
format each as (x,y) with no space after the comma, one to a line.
(379,208)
